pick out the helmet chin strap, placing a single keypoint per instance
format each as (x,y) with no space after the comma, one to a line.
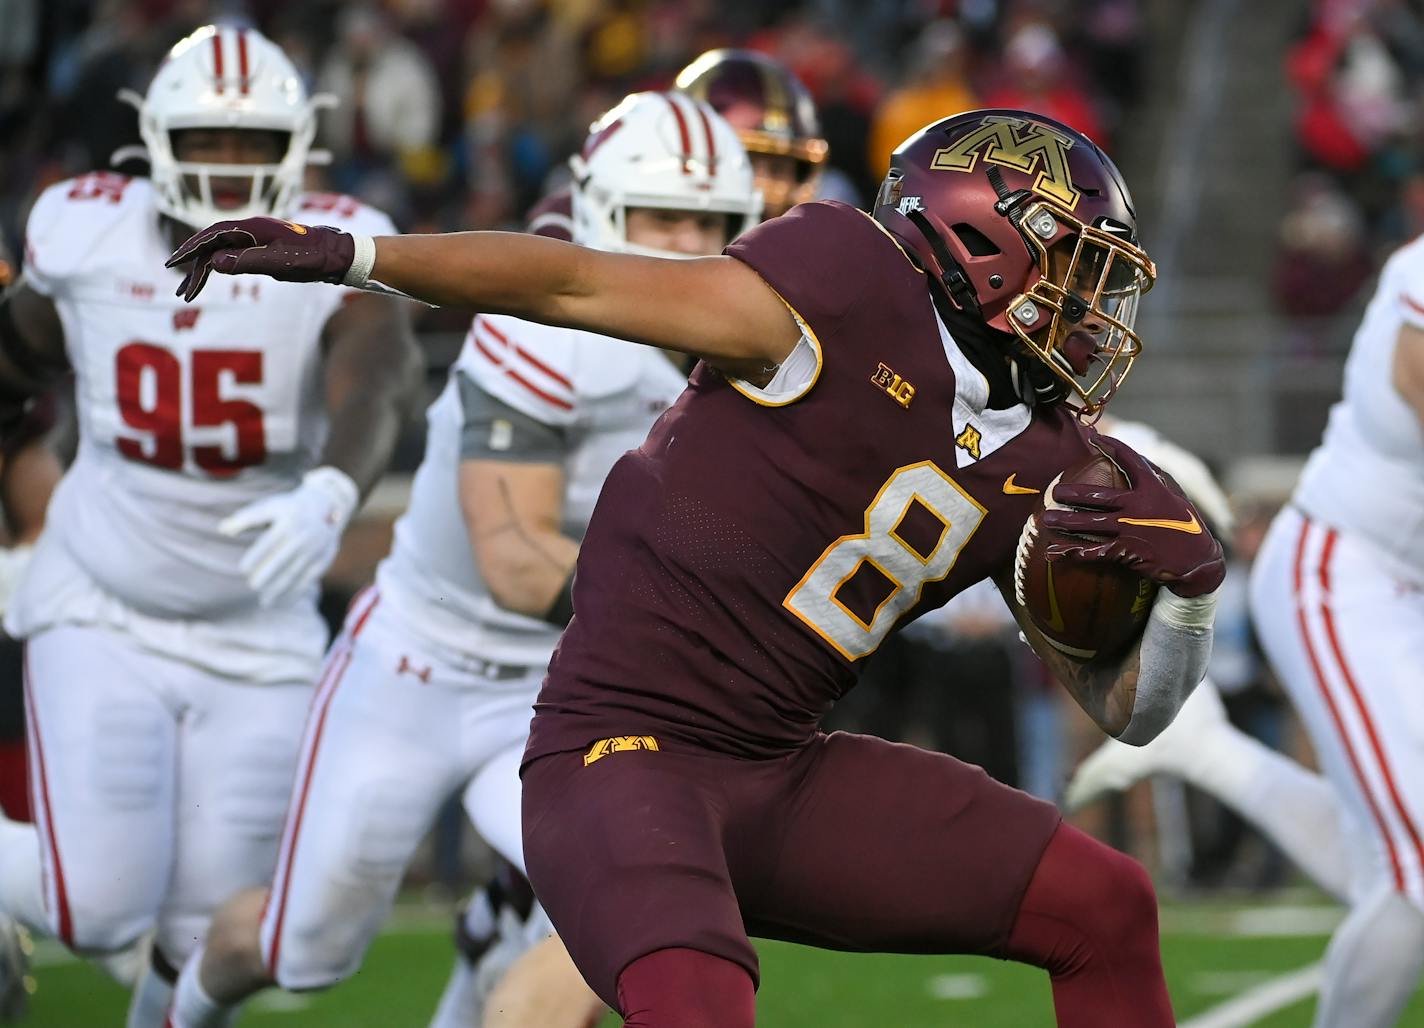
(956,283)
(1034,382)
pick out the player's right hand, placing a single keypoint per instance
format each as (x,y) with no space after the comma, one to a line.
(283,250)
(1151,528)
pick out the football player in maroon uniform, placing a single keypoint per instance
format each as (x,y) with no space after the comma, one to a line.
(881,403)
(774,116)
(775,119)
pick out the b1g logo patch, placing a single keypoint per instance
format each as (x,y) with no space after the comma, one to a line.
(901,391)
(618,744)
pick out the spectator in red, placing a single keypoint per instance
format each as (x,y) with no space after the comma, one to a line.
(1321,261)
(1038,78)
(1350,88)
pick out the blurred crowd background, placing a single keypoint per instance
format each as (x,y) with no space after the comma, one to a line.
(456,113)
(459,114)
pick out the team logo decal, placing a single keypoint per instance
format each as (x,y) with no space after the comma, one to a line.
(969,441)
(186,317)
(1013,143)
(618,744)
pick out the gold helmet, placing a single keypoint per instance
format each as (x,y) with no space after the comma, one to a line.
(773,114)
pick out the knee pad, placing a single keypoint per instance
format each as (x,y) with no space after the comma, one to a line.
(130,756)
(318,960)
(686,988)
(253,795)
(105,932)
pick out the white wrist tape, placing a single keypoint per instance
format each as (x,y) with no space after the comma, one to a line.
(339,490)
(360,271)
(1172,661)
(1184,611)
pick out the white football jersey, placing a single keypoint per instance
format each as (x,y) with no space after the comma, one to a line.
(1367,475)
(187,412)
(603,393)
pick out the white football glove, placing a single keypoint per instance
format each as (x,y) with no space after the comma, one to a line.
(303,532)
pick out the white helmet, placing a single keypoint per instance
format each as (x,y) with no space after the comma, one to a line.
(224,77)
(663,150)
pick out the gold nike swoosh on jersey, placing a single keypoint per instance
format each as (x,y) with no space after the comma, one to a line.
(1191,526)
(1055,616)
(1017,490)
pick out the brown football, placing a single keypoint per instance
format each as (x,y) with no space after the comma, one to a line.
(1085,610)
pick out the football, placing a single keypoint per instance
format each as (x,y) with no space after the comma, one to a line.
(1085,610)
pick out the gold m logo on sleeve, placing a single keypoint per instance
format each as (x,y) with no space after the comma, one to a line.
(1013,143)
(618,744)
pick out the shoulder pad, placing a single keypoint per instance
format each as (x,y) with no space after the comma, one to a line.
(69,218)
(344,212)
(533,368)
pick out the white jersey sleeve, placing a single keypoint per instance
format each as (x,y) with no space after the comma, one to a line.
(71,222)
(1367,476)
(528,366)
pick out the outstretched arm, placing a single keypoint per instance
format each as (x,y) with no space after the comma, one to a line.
(711,307)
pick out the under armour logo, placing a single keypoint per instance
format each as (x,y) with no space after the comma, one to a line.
(186,317)
(238,288)
(911,203)
(406,667)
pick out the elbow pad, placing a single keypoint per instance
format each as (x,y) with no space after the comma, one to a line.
(1173,655)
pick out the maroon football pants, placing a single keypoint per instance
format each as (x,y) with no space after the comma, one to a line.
(849,842)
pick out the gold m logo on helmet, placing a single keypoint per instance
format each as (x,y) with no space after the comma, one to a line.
(1014,143)
(618,744)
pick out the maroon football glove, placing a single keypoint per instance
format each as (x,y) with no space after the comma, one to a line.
(279,249)
(1151,528)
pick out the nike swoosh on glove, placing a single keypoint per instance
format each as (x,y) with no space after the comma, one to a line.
(302,532)
(278,249)
(1151,527)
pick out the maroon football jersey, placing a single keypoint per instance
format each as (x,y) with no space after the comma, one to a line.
(748,556)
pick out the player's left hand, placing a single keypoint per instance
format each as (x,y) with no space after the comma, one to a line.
(303,531)
(1151,528)
(280,249)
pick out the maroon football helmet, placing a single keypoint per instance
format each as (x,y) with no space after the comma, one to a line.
(773,114)
(1027,224)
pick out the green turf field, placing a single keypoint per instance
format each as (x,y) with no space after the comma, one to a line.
(1258,958)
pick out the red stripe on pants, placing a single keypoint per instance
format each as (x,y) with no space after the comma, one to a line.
(331,680)
(1334,710)
(1360,708)
(41,799)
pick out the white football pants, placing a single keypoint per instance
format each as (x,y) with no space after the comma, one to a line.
(392,733)
(1345,633)
(158,787)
